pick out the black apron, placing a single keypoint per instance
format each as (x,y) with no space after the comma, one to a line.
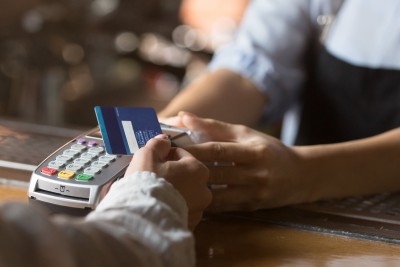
(345,102)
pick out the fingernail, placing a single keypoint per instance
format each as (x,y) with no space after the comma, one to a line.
(162,136)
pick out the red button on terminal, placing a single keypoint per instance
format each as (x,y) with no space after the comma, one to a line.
(48,171)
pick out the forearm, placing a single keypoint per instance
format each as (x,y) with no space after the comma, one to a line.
(141,222)
(358,167)
(158,219)
(222,95)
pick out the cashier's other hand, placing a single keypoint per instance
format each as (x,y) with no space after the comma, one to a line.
(264,171)
(188,175)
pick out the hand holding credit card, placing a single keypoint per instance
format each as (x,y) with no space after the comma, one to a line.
(127,129)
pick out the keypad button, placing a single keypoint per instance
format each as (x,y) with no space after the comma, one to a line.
(81,161)
(88,156)
(56,164)
(49,171)
(92,170)
(70,152)
(99,164)
(92,143)
(74,167)
(84,177)
(78,147)
(107,158)
(96,150)
(64,158)
(81,141)
(65,174)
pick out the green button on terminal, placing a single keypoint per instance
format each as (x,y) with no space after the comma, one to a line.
(83,177)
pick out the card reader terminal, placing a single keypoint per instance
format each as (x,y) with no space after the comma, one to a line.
(73,179)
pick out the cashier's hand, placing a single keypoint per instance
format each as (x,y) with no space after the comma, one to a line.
(264,171)
(188,175)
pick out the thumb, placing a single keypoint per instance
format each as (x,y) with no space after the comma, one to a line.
(154,152)
(158,146)
(210,129)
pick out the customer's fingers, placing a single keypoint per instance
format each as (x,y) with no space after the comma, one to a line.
(148,157)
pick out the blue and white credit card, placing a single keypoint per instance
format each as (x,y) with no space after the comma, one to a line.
(126,129)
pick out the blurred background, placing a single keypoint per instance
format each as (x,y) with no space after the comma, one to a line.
(60,58)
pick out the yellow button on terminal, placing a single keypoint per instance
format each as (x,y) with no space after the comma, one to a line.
(66,174)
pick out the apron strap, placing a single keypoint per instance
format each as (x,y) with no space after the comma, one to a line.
(344,102)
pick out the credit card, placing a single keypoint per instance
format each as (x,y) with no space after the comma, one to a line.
(126,129)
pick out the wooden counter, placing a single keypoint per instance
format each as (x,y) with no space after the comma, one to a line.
(233,242)
(13,193)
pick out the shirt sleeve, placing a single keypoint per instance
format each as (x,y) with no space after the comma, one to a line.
(269,49)
(141,222)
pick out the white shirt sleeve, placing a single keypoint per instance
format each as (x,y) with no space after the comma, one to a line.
(141,222)
(270,48)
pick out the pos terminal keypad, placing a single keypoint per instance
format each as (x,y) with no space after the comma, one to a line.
(77,175)
(81,161)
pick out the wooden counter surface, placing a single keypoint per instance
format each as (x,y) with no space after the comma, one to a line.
(13,193)
(233,242)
